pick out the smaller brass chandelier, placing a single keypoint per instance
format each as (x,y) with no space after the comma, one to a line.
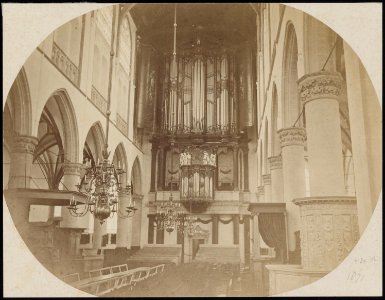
(167,215)
(101,183)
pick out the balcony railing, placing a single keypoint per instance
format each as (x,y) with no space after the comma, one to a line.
(121,124)
(98,100)
(65,65)
(219,130)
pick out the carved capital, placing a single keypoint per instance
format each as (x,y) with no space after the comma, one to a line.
(266,179)
(275,162)
(320,85)
(24,144)
(292,136)
(72,168)
(261,190)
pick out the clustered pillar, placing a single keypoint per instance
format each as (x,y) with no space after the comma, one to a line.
(23,148)
(293,166)
(329,227)
(71,178)
(276,178)
(124,227)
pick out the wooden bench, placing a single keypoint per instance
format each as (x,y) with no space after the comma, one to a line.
(105,280)
(70,278)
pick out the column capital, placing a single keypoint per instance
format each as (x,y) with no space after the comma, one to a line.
(292,136)
(266,179)
(72,168)
(261,190)
(24,144)
(319,85)
(275,162)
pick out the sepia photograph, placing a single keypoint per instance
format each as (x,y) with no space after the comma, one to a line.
(192,149)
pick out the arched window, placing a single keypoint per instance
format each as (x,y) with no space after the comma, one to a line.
(291,103)
(275,143)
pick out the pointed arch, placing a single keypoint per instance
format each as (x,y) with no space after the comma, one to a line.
(120,160)
(70,132)
(19,102)
(94,143)
(136,177)
(275,144)
(290,100)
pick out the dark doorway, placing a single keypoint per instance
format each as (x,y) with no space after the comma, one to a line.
(196,243)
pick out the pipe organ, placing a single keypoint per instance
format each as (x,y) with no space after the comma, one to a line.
(199,93)
(205,100)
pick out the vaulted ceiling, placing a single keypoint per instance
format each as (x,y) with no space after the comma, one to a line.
(226,24)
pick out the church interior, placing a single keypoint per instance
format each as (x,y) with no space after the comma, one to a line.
(228,149)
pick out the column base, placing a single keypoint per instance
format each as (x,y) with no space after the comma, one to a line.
(284,278)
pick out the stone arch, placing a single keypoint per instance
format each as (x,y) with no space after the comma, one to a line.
(136,177)
(94,143)
(69,131)
(120,160)
(291,107)
(19,103)
(266,149)
(275,144)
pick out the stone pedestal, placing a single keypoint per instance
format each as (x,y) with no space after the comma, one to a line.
(276,178)
(319,92)
(23,148)
(261,274)
(293,162)
(256,241)
(284,278)
(329,230)
(267,184)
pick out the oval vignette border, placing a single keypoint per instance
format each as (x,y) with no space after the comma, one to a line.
(25,276)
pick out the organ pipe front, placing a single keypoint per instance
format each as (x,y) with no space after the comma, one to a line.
(199,93)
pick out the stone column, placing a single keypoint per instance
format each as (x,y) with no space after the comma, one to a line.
(276,178)
(261,193)
(124,227)
(154,150)
(99,231)
(267,184)
(319,92)
(235,229)
(235,167)
(215,229)
(161,168)
(242,241)
(293,167)
(77,243)
(23,148)
(256,241)
(245,169)
(70,179)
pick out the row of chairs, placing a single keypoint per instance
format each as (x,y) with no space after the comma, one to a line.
(105,280)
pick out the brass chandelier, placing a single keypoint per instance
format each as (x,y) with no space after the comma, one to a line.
(101,183)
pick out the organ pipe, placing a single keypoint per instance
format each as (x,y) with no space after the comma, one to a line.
(199,93)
